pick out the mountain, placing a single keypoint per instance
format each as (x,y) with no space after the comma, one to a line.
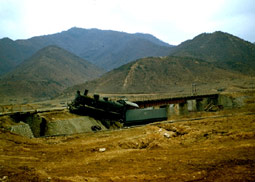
(11,54)
(46,73)
(222,49)
(105,48)
(162,75)
(152,39)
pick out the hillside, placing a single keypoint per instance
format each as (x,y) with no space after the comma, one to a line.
(47,73)
(105,48)
(222,49)
(163,75)
(11,54)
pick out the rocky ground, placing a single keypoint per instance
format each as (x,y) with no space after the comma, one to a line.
(218,146)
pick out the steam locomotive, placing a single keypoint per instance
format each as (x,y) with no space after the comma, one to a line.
(123,111)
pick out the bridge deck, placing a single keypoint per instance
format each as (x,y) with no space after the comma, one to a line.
(172,100)
(142,102)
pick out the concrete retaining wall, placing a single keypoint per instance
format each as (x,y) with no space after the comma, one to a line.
(229,101)
(22,129)
(71,126)
(50,123)
(225,101)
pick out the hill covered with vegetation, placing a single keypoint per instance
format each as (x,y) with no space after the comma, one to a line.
(222,49)
(47,73)
(105,48)
(162,75)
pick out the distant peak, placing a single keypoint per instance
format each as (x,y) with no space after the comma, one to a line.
(221,33)
(7,39)
(218,32)
(81,29)
(75,28)
(213,35)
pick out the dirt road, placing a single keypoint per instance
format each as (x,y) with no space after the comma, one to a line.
(213,149)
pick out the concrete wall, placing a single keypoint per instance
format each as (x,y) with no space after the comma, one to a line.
(229,101)
(52,123)
(22,129)
(177,109)
(34,121)
(71,126)
(192,105)
(225,101)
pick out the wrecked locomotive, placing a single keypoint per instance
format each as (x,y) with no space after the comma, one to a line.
(123,111)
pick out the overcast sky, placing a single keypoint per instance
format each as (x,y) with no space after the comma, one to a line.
(172,21)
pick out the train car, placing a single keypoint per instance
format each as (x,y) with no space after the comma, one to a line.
(123,111)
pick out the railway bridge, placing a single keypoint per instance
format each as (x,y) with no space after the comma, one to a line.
(183,104)
(180,104)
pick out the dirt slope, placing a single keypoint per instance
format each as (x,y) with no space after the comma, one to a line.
(213,149)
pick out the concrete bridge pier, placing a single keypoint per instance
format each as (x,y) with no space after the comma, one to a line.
(170,110)
(177,109)
(201,104)
(183,108)
(192,105)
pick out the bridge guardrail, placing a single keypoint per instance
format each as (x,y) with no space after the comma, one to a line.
(9,109)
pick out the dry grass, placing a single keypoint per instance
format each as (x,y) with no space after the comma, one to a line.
(215,146)
(210,149)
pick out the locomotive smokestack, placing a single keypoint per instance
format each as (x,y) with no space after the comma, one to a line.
(86,92)
(96,97)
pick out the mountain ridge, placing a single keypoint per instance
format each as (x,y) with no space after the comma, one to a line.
(46,73)
(161,75)
(209,60)
(94,45)
(223,49)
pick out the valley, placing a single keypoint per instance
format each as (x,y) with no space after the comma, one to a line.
(57,65)
(207,137)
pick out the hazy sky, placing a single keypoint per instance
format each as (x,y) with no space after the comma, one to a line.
(172,21)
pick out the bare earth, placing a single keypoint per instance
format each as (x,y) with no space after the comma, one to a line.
(210,149)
